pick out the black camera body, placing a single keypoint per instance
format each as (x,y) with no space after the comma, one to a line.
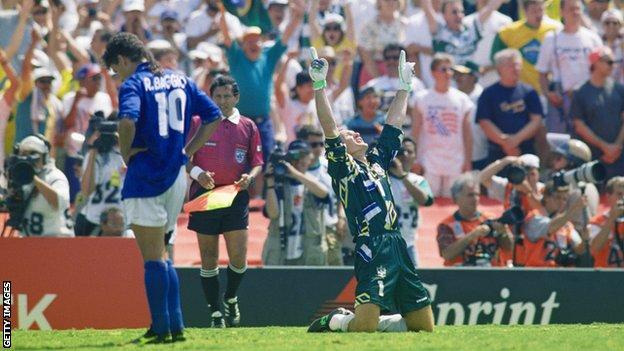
(277,159)
(20,172)
(567,258)
(108,132)
(516,174)
(512,216)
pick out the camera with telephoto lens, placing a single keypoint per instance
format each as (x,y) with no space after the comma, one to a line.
(516,174)
(108,132)
(590,172)
(566,258)
(277,159)
(512,216)
(20,171)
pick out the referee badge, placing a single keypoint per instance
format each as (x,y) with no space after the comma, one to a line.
(240,154)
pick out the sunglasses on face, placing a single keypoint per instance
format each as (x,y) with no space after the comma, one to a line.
(445,69)
(45,80)
(331,62)
(611,23)
(608,62)
(96,78)
(316,144)
(334,27)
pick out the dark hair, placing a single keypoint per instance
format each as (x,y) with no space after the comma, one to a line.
(162,52)
(448,2)
(392,47)
(223,81)
(308,130)
(527,3)
(130,46)
(409,140)
(105,34)
(439,58)
(302,78)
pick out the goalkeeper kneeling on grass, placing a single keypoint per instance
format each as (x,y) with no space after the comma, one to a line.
(386,277)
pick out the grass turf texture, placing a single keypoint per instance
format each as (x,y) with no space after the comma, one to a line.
(487,337)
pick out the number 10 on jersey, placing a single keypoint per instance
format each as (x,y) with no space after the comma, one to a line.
(170,111)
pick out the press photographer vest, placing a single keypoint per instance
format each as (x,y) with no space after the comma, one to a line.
(460,228)
(544,251)
(612,253)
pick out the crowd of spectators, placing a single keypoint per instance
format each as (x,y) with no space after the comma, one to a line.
(498,86)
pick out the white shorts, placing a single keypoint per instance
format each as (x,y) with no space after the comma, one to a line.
(158,211)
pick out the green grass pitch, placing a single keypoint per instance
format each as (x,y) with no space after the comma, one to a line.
(490,338)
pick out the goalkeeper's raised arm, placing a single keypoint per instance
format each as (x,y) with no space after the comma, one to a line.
(318,73)
(396,111)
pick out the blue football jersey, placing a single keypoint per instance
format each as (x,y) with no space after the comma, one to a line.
(161,107)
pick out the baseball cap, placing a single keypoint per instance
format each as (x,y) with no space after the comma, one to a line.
(575,151)
(612,14)
(159,44)
(33,144)
(529,160)
(133,5)
(253,30)
(365,90)
(298,148)
(302,78)
(333,18)
(467,68)
(88,70)
(599,52)
(169,14)
(41,72)
(277,2)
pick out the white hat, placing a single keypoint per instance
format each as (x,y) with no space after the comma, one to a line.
(133,5)
(159,44)
(197,54)
(612,14)
(41,72)
(214,52)
(529,160)
(277,2)
(33,144)
(334,18)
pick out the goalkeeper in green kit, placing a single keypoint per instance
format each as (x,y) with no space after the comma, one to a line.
(386,278)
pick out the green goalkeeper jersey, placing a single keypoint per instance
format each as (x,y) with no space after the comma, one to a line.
(364,189)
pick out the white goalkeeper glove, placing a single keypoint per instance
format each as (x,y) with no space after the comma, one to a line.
(318,70)
(406,72)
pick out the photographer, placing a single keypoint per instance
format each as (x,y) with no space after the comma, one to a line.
(521,186)
(551,240)
(45,196)
(410,191)
(607,229)
(465,238)
(294,204)
(102,177)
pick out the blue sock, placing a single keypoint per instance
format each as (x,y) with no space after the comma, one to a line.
(157,288)
(173,298)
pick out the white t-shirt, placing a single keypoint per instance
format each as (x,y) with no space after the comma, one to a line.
(86,108)
(322,175)
(482,55)
(441,137)
(406,206)
(296,114)
(199,23)
(364,12)
(417,32)
(108,178)
(569,63)
(479,140)
(40,218)
(388,86)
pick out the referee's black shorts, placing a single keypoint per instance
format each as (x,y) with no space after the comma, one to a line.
(223,220)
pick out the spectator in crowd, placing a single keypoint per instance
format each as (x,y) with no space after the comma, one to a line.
(205,25)
(278,12)
(550,237)
(597,112)
(255,13)
(92,16)
(47,210)
(100,39)
(369,121)
(296,107)
(410,191)
(387,27)
(594,9)
(7,99)
(164,53)
(418,43)
(509,112)
(562,64)
(526,35)
(463,237)
(172,32)
(442,128)
(334,31)
(527,193)
(233,155)
(299,197)
(388,83)
(335,221)
(113,223)
(488,31)
(78,107)
(101,182)
(612,37)
(607,229)
(466,79)
(135,21)
(455,34)
(38,108)
(250,56)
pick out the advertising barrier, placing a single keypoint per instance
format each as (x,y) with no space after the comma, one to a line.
(98,283)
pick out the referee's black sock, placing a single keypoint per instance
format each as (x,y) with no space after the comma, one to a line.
(235,276)
(210,285)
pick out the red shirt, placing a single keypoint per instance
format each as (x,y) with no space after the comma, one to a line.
(232,150)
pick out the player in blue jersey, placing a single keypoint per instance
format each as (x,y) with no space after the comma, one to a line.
(155,108)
